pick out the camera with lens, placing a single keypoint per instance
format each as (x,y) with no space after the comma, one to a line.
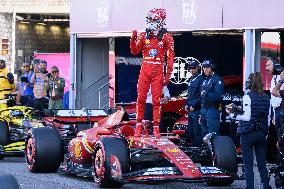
(277,69)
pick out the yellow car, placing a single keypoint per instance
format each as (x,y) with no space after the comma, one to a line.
(15,123)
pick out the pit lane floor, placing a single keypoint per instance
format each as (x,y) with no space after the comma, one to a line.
(59,180)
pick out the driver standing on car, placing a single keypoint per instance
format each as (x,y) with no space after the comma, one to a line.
(6,80)
(193,103)
(157,46)
(211,97)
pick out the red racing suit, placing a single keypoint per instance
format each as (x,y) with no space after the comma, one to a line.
(154,52)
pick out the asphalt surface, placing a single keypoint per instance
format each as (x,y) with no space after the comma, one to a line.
(60,180)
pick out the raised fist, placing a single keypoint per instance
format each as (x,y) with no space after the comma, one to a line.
(134,34)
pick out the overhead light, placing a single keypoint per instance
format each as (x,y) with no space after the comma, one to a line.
(19,17)
(41,23)
(24,22)
(56,20)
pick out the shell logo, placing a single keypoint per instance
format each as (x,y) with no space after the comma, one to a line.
(173,150)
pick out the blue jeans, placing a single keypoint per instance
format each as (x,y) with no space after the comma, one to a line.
(194,128)
(210,121)
(254,140)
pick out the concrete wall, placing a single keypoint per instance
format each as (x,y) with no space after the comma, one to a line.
(27,3)
(6,31)
(40,38)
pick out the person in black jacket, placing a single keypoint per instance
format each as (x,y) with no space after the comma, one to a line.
(193,103)
(253,129)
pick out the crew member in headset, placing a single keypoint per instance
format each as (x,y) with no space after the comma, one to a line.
(211,97)
(253,129)
(6,80)
(193,103)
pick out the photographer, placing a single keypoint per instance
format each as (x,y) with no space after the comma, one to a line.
(56,86)
(253,129)
(40,81)
(27,96)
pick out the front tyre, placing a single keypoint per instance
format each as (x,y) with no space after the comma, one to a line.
(110,161)
(43,150)
(224,157)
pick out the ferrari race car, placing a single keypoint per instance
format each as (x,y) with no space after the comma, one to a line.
(111,154)
(15,121)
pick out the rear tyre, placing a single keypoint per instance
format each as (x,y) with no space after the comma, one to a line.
(43,150)
(110,161)
(8,182)
(224,157)
(4,133)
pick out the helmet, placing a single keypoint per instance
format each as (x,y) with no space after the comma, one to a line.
(155,19)
(209,63)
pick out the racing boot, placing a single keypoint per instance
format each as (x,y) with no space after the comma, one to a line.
(157,132)
(138,130)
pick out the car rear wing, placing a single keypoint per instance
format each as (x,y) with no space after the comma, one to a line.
(76,116)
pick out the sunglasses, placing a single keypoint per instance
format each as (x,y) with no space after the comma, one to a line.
(54,72)
(192,68)
(26,66)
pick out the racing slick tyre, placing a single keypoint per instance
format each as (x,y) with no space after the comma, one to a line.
(4,133)
(224,157)
(43,150)
(110,161)
(8,182)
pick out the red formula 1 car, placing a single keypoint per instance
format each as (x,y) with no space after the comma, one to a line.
(110,154)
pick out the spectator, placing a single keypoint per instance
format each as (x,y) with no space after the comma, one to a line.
(193,103)
(40,81)
(211,97)
(253,129)
(27,95)
(56,86)
(7,85)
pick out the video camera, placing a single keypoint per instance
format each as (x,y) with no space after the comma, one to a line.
(24,79)
(233,108)
(277,69)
